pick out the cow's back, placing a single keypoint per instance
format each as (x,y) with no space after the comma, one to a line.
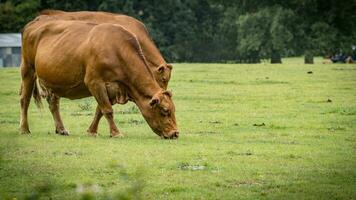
(130,23)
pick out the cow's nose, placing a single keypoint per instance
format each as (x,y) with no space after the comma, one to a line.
(175,135)
(171,135)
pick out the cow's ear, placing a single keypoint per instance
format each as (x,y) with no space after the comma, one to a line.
(170,66)
(160,69)
(168,93)
(154,101)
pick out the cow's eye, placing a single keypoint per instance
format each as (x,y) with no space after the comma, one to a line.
(164,112)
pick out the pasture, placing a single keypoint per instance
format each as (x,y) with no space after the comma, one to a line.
(247,131)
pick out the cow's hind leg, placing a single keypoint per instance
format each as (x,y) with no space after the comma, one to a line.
(93,129)
(99,91)
(53,104)
(27,85)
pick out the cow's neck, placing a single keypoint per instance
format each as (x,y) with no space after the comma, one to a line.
(143,97)
(143,87)
(152,54)
(142,84)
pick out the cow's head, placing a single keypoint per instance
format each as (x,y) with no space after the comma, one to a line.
(160,115)
(163,75)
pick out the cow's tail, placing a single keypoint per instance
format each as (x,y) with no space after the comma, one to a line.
(36,93)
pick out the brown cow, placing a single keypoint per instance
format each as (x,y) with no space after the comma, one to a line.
(160,69)
(75,59)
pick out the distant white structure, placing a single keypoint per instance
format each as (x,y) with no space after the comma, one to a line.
(10,49)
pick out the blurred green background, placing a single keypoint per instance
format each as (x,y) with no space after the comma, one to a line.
(219,30)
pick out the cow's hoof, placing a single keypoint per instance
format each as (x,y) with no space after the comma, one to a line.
(117,135)
(62,132)
(92,134)
(24,131)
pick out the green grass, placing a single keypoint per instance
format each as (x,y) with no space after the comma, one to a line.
(256,131)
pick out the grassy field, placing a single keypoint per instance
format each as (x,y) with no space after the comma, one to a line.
(256,131)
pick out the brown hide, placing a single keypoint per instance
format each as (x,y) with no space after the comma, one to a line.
(76,59)
(161,70)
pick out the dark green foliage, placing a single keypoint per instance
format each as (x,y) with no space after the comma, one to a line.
(15,14)
(218,30)
(265,34)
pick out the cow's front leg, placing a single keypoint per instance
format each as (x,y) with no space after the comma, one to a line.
(53,104)
(98,90)
(93,129)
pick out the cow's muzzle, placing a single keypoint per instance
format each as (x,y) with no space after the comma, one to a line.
(172,135)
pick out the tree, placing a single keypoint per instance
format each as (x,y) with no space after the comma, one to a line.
(66,5)
(252,34)
(13,16)
(226,33)
(219,30)
(264,34)
(280,33)
(110,6)
(323,40)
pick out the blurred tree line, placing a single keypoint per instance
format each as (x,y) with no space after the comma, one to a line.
(219,30)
